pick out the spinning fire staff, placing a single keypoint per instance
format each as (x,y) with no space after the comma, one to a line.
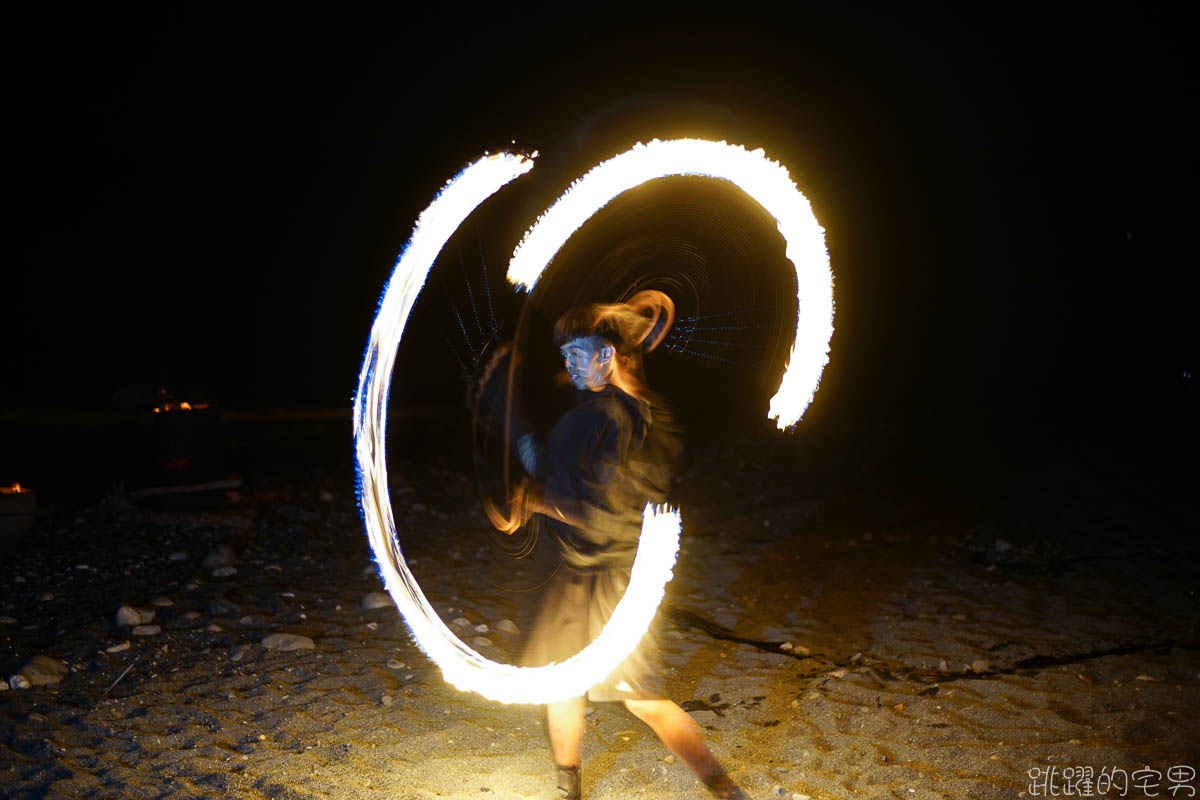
(601,463)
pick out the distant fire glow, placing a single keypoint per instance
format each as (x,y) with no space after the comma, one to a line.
(764,180)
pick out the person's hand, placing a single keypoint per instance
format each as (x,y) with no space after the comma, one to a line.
(517,514)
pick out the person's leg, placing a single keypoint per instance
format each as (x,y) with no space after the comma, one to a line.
(680,733)
(564,720)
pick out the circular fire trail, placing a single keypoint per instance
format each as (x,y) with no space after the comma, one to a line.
(766,182)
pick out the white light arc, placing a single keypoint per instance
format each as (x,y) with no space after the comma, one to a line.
(767,182)
(461,666)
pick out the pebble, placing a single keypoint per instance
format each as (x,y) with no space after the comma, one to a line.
(223,608)
(224,572)
(386,700)
(979,665)
(45,597)
(481,628)
(668,759)
(117,648)
(373,625)
(394,664)
(192,615)
(943,666)
(799,796)
(6,620)
(376,600)
(222,556)
(508,626)
(462,622)
(38,671)
(418,507)
(238,652)
(146,630)
(214,628)
(132,615)
(162,601)
(246,620)
(481,641)
(288,641)
(178,555)
(786,646)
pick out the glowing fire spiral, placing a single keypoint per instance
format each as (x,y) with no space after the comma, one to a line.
(765,181)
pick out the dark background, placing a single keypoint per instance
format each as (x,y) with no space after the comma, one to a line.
(210,199)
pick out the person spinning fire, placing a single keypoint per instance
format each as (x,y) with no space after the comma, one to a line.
(590,480)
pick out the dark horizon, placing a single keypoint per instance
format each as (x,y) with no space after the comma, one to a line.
(212,204)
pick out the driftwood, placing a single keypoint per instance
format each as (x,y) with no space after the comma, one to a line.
(191,488)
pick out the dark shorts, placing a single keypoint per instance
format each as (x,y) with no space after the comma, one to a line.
(574,608)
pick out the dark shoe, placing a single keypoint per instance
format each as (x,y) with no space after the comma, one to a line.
(568,783)
(724,789)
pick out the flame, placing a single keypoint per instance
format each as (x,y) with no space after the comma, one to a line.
(186,406)
(764,180)
(17,488)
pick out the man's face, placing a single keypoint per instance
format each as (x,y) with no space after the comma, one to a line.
(588,362)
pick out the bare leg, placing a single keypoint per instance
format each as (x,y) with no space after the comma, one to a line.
(680,733)
(565,722)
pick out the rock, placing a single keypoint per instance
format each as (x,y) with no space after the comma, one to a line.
(224,572)
(7,620)
(799,796)
(373,626)
(668,759)
(117,648)
(146,630)
(377,600)
(132,615)
(394,664)
(38,671)
(246,620)
(162,601)
(481,628)
(288,641)
(979,665)
(224,608)
(837,673)
(222,556)
(214,628)
(386,700)
(418,507)
(45,597)
(481,641)
(239,652)
(786,646)
(192,615)
(461,622)
(178,555)
(508,626)
(943,666)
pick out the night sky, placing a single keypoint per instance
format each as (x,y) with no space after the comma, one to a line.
(211,199)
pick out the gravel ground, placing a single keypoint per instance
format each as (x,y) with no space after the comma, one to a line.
(852,617)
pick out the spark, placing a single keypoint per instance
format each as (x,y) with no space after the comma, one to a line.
(764,180)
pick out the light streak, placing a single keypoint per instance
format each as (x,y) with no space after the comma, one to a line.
(461,666)
(767,182)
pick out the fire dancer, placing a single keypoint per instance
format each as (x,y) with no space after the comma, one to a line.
(590,480)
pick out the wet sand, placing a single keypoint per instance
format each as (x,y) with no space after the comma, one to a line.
(851,617)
